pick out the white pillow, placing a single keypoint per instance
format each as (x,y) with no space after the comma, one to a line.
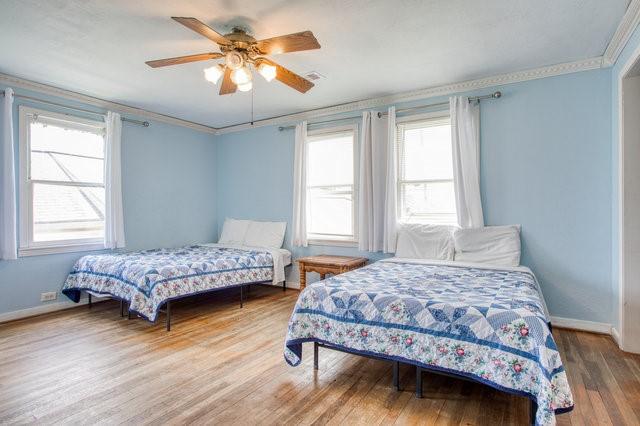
(425,242)
(234,231)
(265,234)
(495,245)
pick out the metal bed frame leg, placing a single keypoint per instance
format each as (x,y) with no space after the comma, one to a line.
(284,286)
(418,382)
(315,355)
(533,408)
(168,315)
(396,375)
(241,296)
(90,301)
(121,308)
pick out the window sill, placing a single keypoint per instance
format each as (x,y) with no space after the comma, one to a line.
(64,248)
(334,243)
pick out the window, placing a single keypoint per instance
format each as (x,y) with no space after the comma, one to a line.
(331,184)
(425,171)
(62,191)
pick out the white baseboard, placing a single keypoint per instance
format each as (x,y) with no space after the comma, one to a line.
(45,309)
(615,334)
(575,324)
(293,284)
(59,306)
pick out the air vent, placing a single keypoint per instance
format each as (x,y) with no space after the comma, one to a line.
(314,75)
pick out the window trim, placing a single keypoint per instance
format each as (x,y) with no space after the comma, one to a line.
(409,119)
(325,239)
(27,246)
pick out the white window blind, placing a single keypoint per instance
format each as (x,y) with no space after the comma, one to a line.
(331,185)
(425,172)
(63,181)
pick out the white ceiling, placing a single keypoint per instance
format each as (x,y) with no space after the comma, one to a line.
(369,48)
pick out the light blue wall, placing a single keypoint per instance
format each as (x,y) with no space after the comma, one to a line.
(627,52)
(168,175)
(546,164)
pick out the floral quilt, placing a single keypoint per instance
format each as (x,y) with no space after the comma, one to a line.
(485,324)
(147,279)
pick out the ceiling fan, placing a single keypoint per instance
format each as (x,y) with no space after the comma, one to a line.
(241,51)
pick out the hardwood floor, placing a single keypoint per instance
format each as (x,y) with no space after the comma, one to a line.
(222,364)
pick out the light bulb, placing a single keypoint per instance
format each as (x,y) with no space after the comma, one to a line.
(241,76)
(214,73)
(267,71)
(245,87)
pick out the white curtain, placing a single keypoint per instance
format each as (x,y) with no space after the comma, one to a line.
(299,224)
(372,181)
(390,225)
(465,137)
(114,218)
(8,240)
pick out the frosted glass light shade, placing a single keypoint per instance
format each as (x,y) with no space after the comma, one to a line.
(214,73)
(267,71)
(245,87)
(241,76)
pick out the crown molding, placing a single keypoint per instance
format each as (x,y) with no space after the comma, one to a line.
(623,33)
(13,81)
(421,94)
(465,86)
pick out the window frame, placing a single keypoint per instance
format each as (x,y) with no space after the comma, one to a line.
(337,240)
(416,118)
(27,246)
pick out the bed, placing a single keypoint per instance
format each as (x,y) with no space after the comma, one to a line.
(475,321)
(147,281)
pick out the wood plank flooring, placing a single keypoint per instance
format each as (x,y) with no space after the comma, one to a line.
(224,365)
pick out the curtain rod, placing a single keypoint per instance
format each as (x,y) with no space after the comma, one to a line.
(86,111)
(494,95)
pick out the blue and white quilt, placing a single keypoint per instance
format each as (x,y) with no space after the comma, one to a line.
(147,279)
(489,325)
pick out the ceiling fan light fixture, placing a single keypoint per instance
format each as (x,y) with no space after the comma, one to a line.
(267,71)
(241,51)
(245,87)
(214,73)
(234,60)
(241,76)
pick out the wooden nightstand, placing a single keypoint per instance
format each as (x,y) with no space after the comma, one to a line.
(327,264)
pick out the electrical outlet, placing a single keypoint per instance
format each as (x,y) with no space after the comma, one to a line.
(45,297)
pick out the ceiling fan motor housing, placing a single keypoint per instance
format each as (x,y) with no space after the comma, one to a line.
(234,59)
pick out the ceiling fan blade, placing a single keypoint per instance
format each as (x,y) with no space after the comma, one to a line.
(227,86)
(288,43)
(289,78)
(183,59)
(202,29)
